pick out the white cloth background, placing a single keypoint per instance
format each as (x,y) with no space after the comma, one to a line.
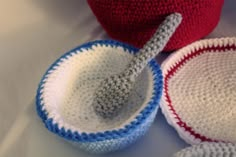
(33,33)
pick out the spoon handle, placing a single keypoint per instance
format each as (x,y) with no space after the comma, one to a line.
(154,46)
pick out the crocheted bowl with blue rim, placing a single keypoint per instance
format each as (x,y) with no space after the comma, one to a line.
(65,94)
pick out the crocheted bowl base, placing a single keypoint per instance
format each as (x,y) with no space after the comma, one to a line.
(65,95)
(199,95)
(112,145)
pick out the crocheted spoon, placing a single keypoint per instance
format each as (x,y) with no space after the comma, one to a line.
(114,91)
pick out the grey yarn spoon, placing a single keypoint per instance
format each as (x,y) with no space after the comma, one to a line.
(114,91)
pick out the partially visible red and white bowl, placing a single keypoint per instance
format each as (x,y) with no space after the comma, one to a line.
(199,93)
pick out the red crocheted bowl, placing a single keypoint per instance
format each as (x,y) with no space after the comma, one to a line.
(134,21)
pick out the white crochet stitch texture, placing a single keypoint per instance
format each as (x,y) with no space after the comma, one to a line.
(209,150)
(203,91)
(69,90)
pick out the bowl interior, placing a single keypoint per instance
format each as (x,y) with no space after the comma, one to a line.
(69,89)
(202,89)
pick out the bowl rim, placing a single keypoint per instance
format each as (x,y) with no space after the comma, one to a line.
(171,66)
(125,130)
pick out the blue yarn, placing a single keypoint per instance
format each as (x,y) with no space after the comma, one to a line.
(107,135)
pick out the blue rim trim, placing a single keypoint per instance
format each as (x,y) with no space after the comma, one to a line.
(110,134)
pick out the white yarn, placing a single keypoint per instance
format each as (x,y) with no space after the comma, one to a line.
(203,92)
(209,150)
(69,90)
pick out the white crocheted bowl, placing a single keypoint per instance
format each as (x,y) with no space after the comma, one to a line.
(199,93)
(65,94)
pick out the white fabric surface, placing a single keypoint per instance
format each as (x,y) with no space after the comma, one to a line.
(33,34)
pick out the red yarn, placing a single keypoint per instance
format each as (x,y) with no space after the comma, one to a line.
(134,21)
